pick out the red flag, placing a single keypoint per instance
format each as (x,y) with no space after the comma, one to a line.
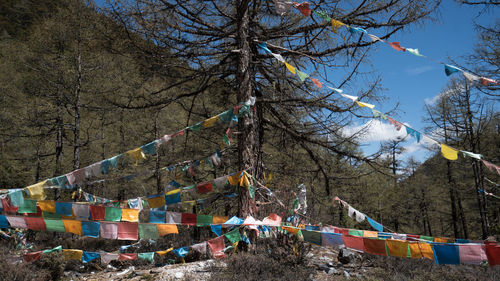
(317,82)
(303,8)
(486,81)
(397,47)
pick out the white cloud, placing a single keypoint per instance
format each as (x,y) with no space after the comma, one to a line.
(373,131)
(445,93)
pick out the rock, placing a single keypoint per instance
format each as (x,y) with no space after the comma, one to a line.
(347,256)
(179,275)
(330,264)
(323,267)
(332,271)
(309,255)
(128,270)
(346,274)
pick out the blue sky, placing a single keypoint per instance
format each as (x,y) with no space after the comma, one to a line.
(410,80)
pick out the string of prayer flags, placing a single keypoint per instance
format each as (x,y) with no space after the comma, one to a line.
(283,6)
(77,177)
(360,217)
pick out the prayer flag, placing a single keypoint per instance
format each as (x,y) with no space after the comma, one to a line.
(136,154)
(112,214)
(472,253)
(28,206)
(81,211)
(290,68)
(396,46)
(90,228)
(70,254)
(164,252)
(217,229)
(127,231)
(33,223)
(282,7)
(55,225)
(414,52)
(173,217)
(16,197)
(317,82)
(210,122)
(181,252)
(148,231)
(336,24)
(36,191)
(127,257)
(353,30)
(470,154)
(109,230)
(493,253)
(375,224)
(323,15)
(149,256)
(89,256)
(73,226)
(397,248)
(188,219)
(149,148)
(470,77)
(4,223)
(156,201)
(486,81)
(312,236)
(413,133)
(449,152)
(97,212)
(449,69)
(217,247)
(164,229)
(375,246)
(303,76)
(108,257)
(130,215)
(156,216)
(219,219)
(264,47)
(374,38)
(34,256)
(446,254)
(331,239)
(303,8)
(204,187)
(203,220)
(354,242)
(233,236)
(200,247)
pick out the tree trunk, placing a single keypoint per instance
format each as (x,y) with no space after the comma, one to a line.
(450,181)
(478,175)
(76,129)
(248,143)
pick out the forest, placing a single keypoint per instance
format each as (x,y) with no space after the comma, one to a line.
(84,81)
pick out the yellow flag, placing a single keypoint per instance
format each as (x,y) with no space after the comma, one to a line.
(234,179)
(36,191)
(210,121)
(336,24)
(364,104)
(449,152)
(244,181)
(137,154)
(71,254)
(290,68)
(162,253)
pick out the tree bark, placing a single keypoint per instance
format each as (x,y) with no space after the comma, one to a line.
(248,143)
